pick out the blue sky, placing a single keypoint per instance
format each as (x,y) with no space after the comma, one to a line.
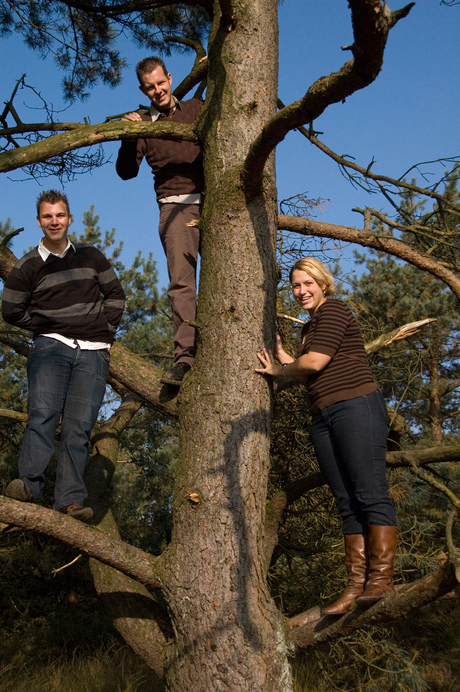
(408,115)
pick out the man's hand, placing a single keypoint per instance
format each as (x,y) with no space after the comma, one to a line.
(132,117)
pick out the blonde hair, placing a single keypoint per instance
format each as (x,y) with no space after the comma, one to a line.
(318,271)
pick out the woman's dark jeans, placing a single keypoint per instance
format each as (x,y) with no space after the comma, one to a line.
(350,440)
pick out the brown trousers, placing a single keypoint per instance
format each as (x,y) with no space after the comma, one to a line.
(181,245)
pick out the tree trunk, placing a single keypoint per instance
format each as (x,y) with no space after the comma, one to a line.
(228,630)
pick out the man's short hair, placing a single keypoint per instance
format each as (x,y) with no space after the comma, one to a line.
(147,65)
(52,197)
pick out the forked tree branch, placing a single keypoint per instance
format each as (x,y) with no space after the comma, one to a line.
(372,22)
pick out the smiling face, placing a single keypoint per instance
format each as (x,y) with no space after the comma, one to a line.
(307,292)
(156,85)
(54,220)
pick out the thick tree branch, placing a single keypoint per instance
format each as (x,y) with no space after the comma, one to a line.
(372,22)
(367,238)
(310,628)
(142,378)
(131,561)
(88,135)
(409,459)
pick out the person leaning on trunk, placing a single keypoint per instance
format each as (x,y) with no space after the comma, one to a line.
(70,298)
(349,430)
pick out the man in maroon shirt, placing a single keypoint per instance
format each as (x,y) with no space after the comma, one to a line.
(179,185)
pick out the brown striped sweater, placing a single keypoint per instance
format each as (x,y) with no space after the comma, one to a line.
(334,331)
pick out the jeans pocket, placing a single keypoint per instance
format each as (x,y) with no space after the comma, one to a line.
(43,344)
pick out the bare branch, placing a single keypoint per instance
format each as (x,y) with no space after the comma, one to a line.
(397,334)
(371,25)
(367,238)
(13,415)
(88,135)
(310,628)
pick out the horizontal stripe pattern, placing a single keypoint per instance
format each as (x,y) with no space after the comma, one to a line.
(63,295)
(334,332)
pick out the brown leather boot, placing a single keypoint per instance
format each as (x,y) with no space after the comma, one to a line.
(382,550)
(355,562)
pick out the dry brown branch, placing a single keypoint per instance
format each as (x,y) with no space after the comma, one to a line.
(69,564)
(397,334)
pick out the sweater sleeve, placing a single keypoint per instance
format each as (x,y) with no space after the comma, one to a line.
(330,325)
(16,299)
(114,296)
(130,156)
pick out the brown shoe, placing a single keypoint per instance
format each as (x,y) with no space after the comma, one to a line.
(76,511)
(356,564)
(382,551)
(18,491)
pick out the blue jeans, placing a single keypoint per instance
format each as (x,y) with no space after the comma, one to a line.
(350,444)
(63,382)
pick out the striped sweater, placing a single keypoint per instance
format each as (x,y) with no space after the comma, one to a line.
(63,295)
(334,331)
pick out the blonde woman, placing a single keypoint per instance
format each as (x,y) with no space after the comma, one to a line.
(349,430)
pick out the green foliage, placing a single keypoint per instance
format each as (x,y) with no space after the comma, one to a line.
(419,375)
(82,36)
(143,482)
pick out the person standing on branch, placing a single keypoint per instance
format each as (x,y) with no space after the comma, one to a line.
(71,300)
(177,168)
(349,430)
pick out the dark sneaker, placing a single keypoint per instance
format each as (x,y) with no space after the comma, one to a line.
(77,511)
(176,374)
(18,491)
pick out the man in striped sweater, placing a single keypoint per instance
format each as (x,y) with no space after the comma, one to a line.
(55,291)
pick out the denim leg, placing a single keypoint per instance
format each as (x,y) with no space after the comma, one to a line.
(48,371)
(350,443)
(84,397)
